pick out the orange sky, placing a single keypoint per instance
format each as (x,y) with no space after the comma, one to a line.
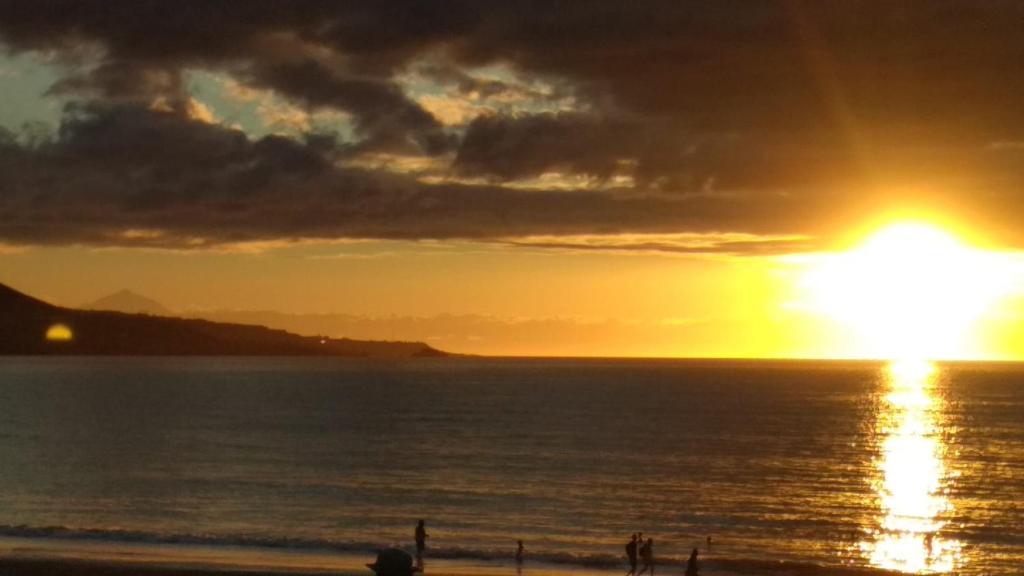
(486,299)
(636,179)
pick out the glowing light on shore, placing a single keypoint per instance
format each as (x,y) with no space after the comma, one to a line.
(912,480)
(911,291)
(59,333)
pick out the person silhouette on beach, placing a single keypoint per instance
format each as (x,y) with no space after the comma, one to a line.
(647,556)
(520,551)
(631,555)
(691,564)
(421,538)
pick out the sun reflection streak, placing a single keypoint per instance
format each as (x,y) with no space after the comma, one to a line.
(913,480)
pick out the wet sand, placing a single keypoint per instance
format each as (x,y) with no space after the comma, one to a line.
(28,557)
(54,567)
(25,566)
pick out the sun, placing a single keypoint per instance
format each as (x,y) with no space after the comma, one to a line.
(910,291)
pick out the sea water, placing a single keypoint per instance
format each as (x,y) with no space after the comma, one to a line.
(783,465)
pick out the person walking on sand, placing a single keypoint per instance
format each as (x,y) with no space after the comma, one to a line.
(421,538)
(631,555)
(519,553)
(691,564)
(647,556)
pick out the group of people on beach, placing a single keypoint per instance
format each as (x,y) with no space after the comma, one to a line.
(643,550)
(637,546)
(637,550)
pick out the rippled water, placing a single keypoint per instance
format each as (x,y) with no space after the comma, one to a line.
(850,464)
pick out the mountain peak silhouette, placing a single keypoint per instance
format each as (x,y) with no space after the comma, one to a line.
(27,325)
(130,302)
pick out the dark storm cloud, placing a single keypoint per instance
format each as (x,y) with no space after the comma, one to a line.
(721,66)
(511,148)
(657,155)
(483,88)
(118,175)
(147,45)
(765,117)
(385,118)
(126,82)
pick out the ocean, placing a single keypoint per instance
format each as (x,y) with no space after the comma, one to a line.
(808,467)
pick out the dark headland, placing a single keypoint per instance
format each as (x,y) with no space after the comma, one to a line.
(26,323)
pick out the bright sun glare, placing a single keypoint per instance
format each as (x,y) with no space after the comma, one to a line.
(910,291)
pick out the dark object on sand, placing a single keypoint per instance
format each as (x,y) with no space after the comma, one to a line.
(393,562)
(519,553)
(691,564)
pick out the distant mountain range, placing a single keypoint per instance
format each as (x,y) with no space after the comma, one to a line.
(31,326)
(477,334)
(130,303)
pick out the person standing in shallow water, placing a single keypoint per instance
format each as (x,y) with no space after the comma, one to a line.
(647,555)
(691,564)
(631,555)
(421,538)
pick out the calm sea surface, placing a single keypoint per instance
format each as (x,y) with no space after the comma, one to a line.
(826,464)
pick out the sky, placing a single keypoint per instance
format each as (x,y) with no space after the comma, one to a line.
(531,178)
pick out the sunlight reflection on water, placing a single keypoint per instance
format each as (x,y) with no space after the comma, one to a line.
(912,480)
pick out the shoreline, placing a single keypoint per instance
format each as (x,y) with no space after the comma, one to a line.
(59,557)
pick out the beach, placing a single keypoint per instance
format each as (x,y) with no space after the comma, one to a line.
(77,558)
(344,567)
(24,557)
(69,558)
